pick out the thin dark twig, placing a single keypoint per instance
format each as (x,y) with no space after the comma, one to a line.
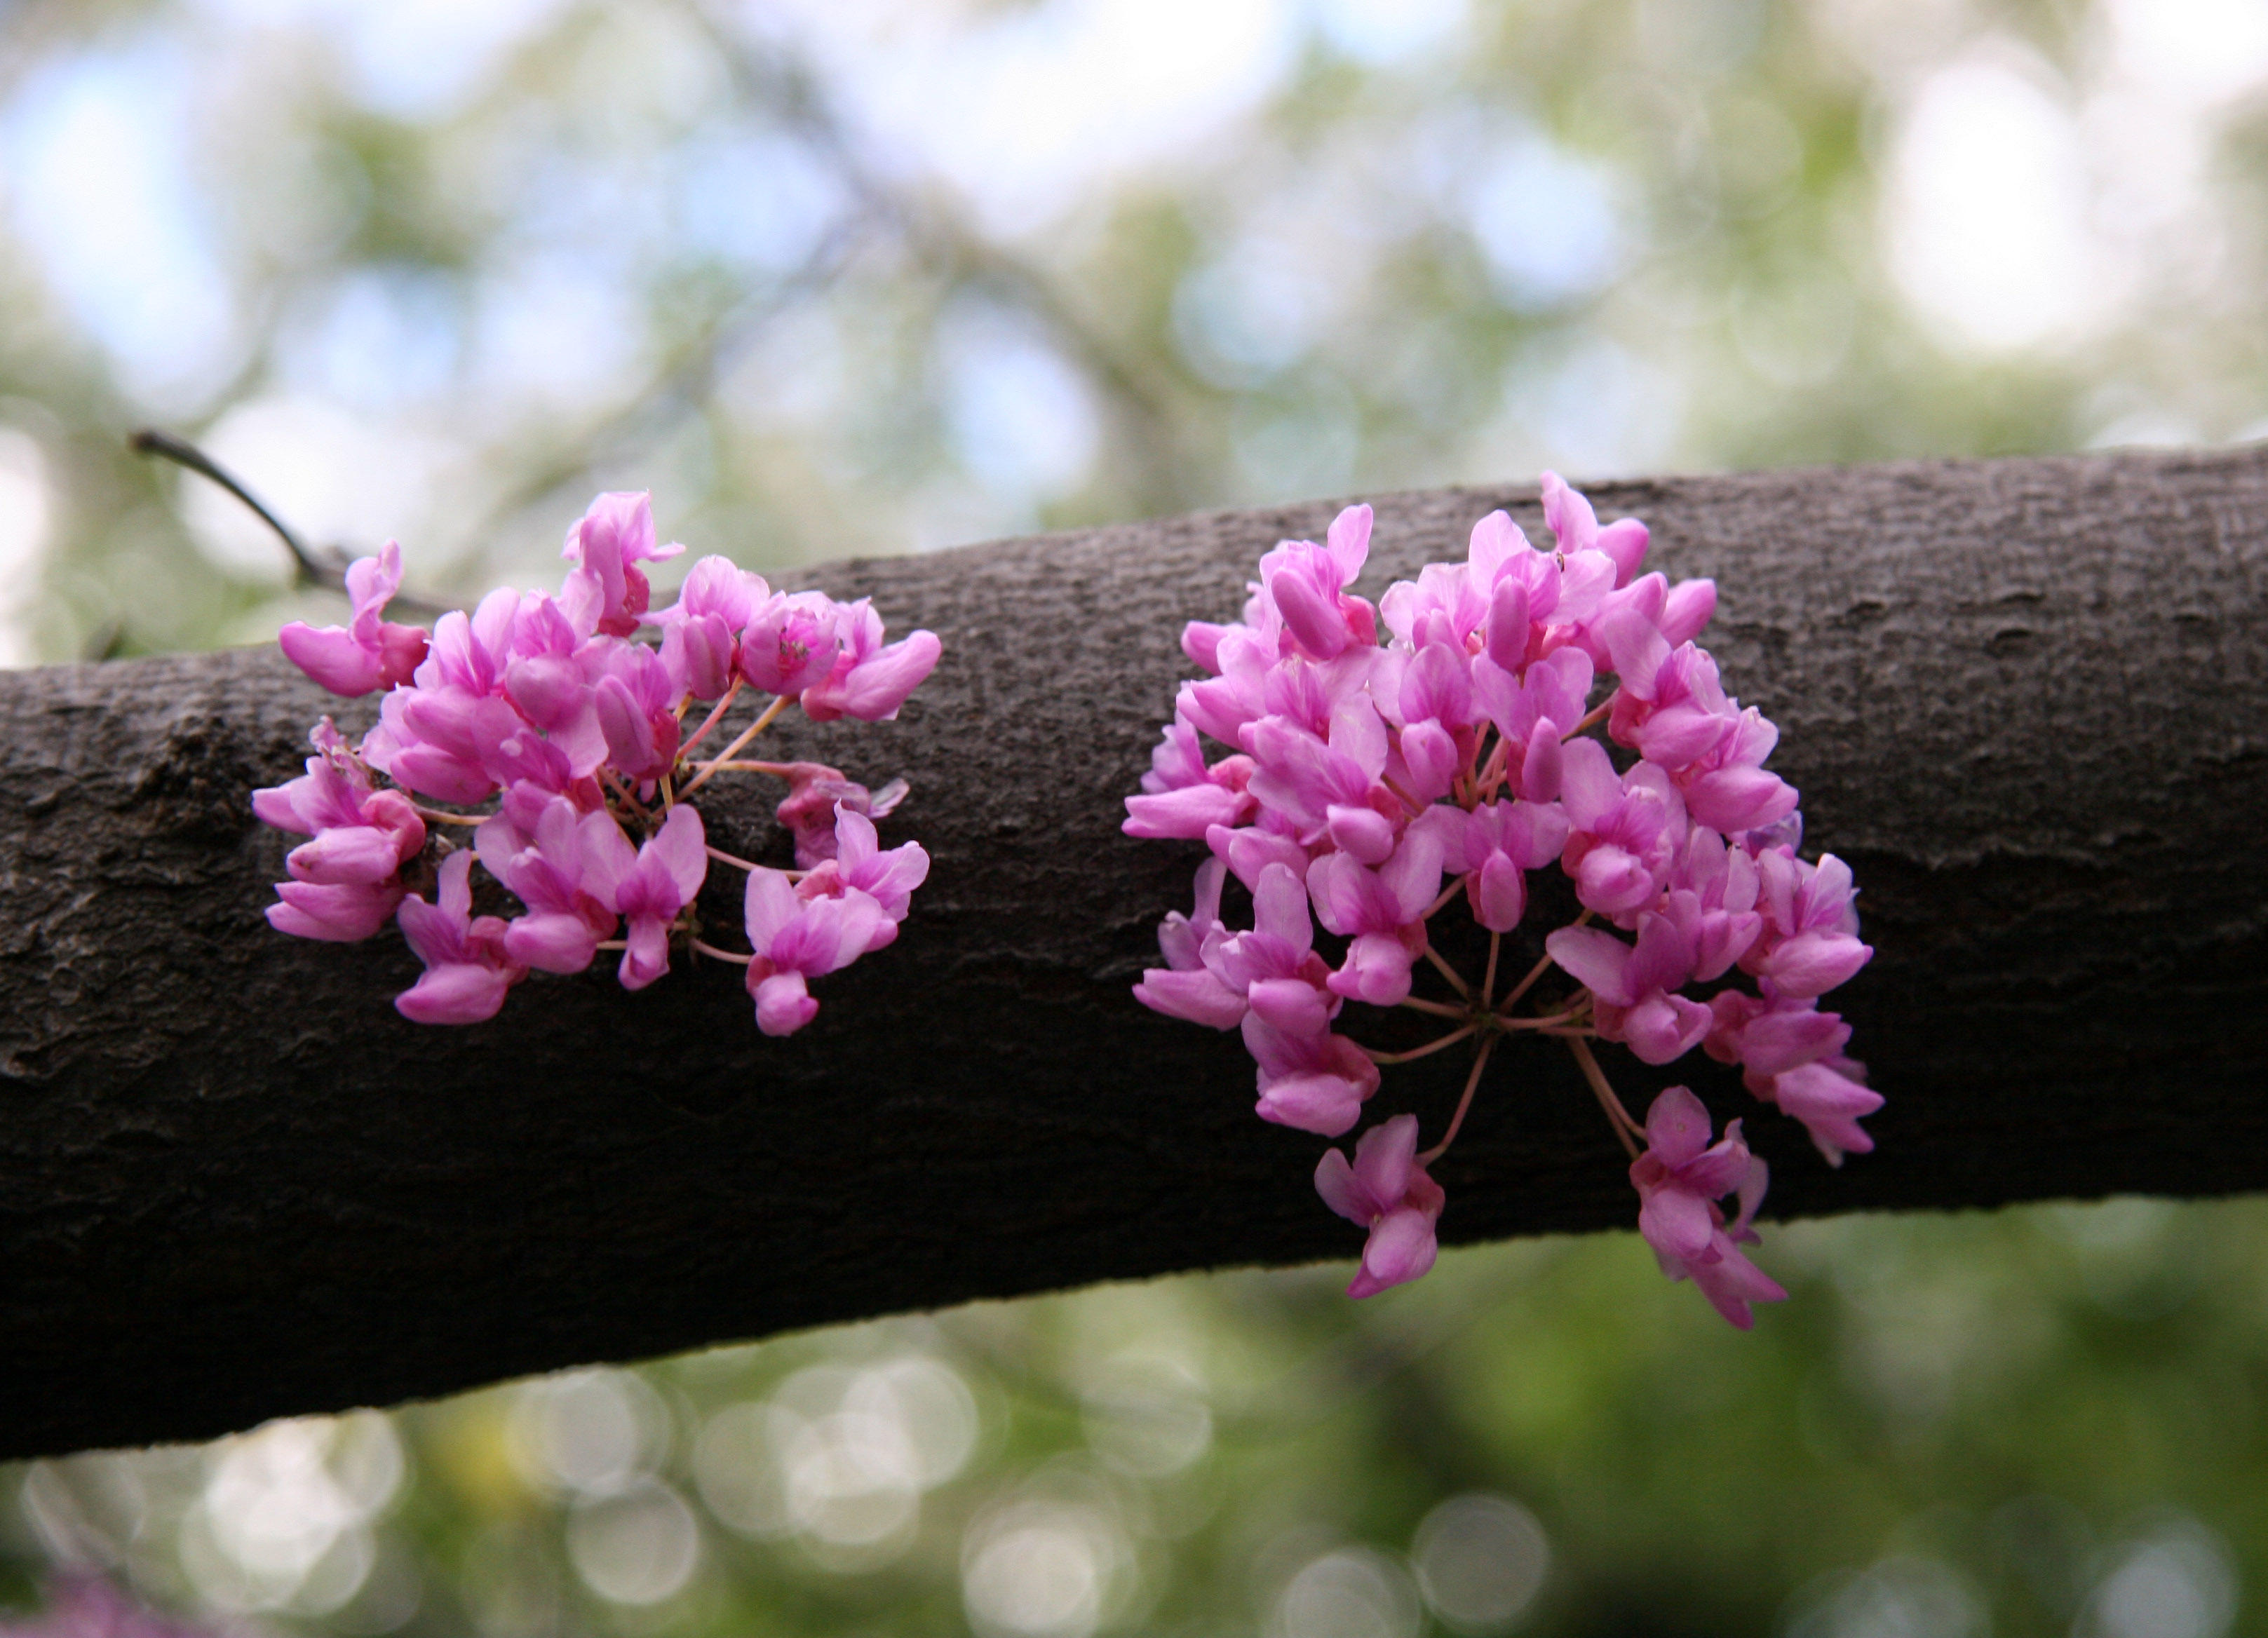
(327,568)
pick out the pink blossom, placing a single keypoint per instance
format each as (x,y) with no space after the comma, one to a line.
(1713,891)
(1305,585)
(1388,1191)
(1493,849)
(1575,527)
(345,883)
(565,865)
(543,678)
(1729,788)
(701,631)
(1181,796)
(796,939)
(467,969)
(1634,989)
(1185,987)
(816,794)
(1381,911)
(1810,942)
(1829,1096)
(862,864)
(667,877)
(1555,689)
(1304,777)
(606,591)
(1623,831)
(1313,1083)
(790,642)
(635,703)
(1680,1177)
(870,678)
(367,653)
(335,912)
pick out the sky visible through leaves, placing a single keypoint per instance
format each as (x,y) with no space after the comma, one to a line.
(847,276)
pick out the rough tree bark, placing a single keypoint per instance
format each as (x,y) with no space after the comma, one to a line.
(2025,699)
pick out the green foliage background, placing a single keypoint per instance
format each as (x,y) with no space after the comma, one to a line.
(660,244)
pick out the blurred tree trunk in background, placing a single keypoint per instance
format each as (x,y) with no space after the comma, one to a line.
(2026,699)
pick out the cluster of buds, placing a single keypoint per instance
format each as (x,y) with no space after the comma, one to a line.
(553,708)
(1367,770)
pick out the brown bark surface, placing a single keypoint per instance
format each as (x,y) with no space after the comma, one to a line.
(2027,699)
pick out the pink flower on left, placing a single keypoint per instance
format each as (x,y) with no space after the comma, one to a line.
(575,715)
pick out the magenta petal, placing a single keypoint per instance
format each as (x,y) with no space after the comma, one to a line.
(1499,893)
(1326,1104)
(647,957)
(457,993)
(1292,1005)
(556,941)
(1386,1158)
(332,657)
(1400,1248)
(1313,620)
(1196,995)
(1361,833)
(1187,812)
(1334,1181)
(1808,965)
(878,685)
(1677,1223)
(1594,958)
(354,853)
(784,1004)
(1676,1127)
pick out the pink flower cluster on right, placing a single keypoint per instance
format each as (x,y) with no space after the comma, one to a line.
(1371,779)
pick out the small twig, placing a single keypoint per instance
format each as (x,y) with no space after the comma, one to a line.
(309,567)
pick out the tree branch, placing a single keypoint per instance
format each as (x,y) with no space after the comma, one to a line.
(2025,698)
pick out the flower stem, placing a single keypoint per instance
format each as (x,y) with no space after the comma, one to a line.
(1440,1009)
(437,817)
(714,954)
(1624,1127)
(715,715)
(1472,1085)
(1488,980)
(1593,717)
(780,703)
(1449,972)
(1416,1052)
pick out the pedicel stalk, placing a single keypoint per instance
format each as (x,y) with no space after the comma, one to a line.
(567,738)
(1470,745)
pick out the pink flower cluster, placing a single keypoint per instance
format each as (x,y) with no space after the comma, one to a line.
(1384,761)
(554,707)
